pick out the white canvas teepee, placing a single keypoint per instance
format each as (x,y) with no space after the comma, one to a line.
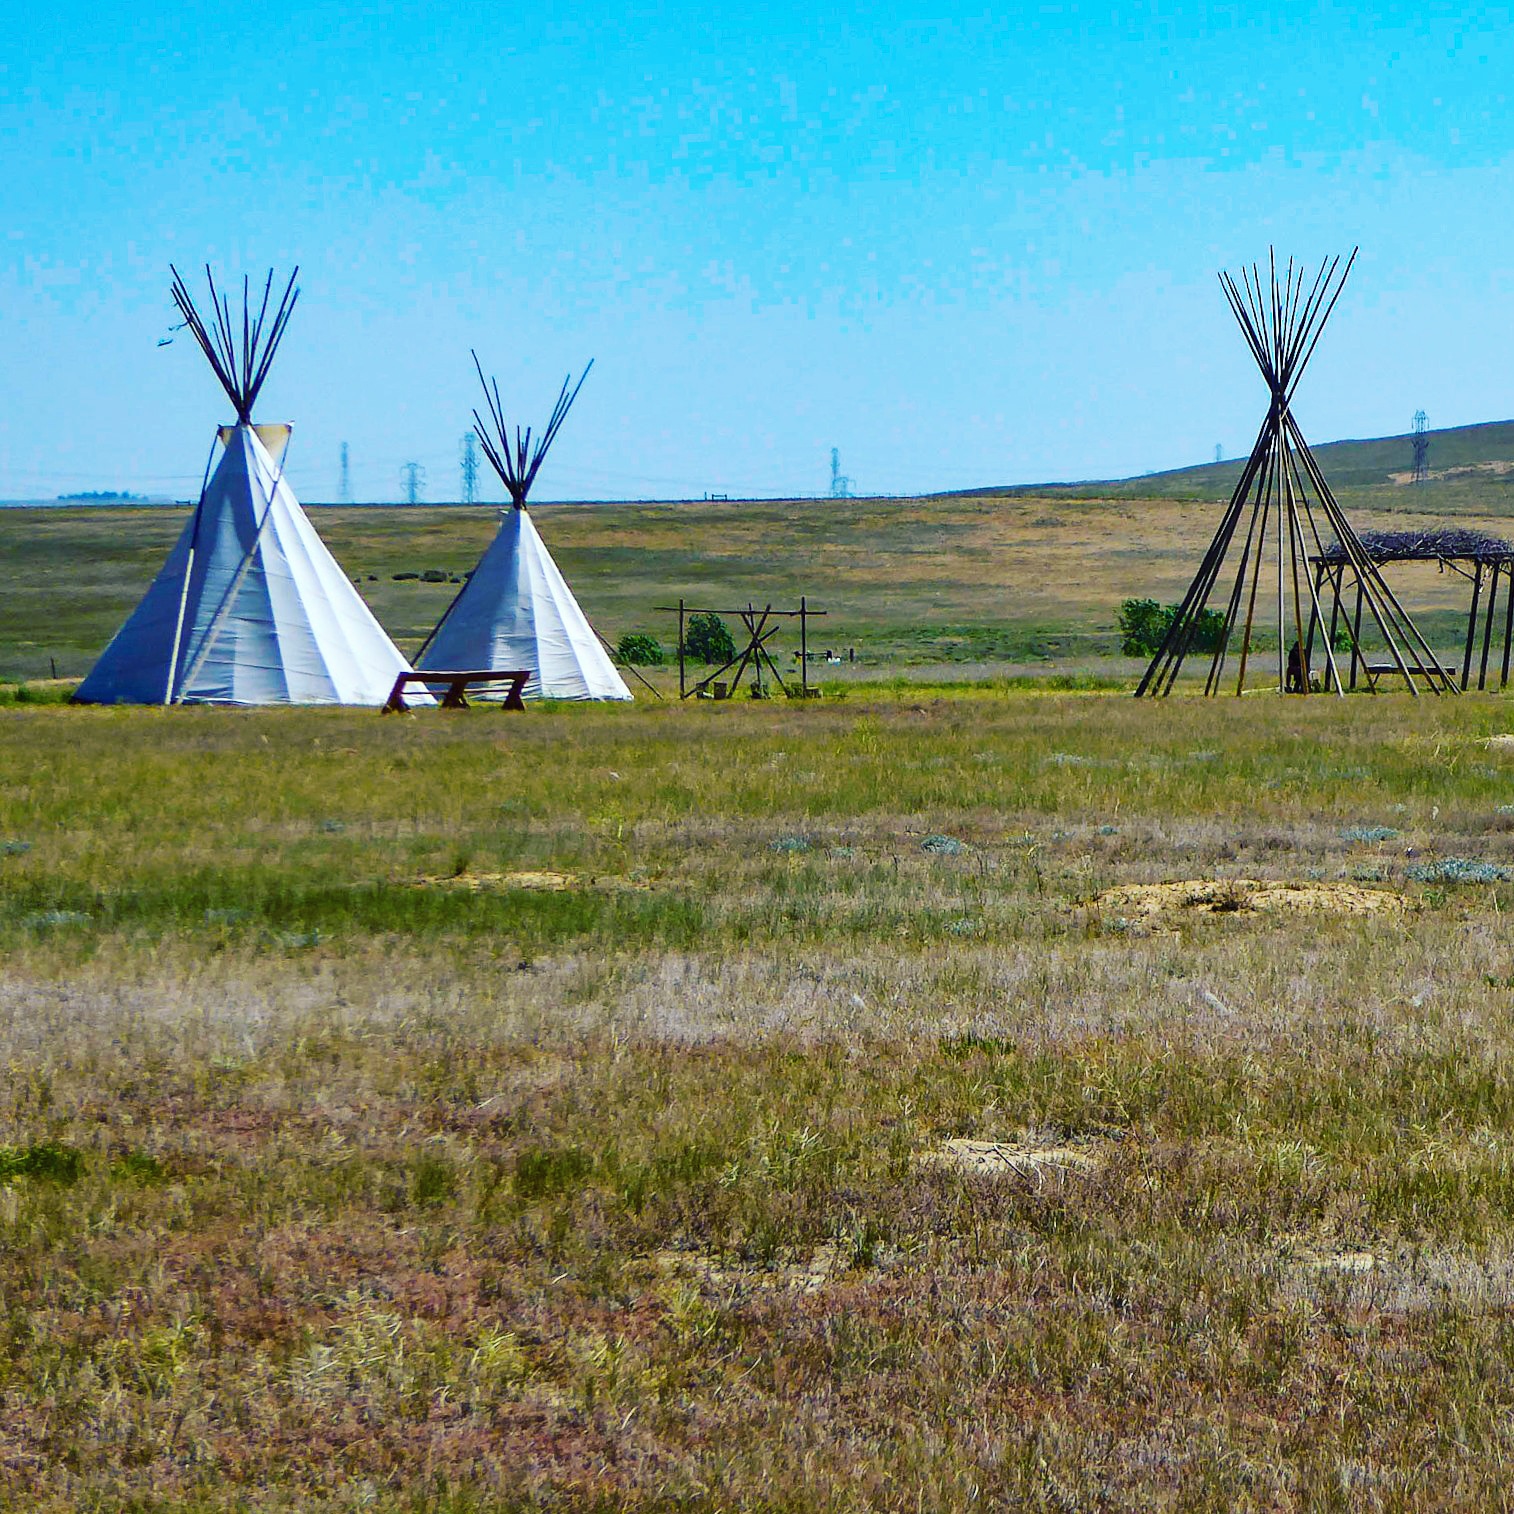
(516,610)
(250,607)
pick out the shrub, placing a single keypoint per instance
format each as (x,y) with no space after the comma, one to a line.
(706,639)
(432,1178)
(945,846)
(1144,625)
(1457,870)
(637,649)
(1370,833)
(139,1167)
(48,1161)
(545,1170)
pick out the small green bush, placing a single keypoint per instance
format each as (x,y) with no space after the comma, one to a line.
(433,1179)
(1144,625)
(48,1161)
(139,1167)
(706,639)
(637,649)
(551,1169)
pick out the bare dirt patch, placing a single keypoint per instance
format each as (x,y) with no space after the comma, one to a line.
(1247,896)
(1010,1159)
(542,881)
(794,1271)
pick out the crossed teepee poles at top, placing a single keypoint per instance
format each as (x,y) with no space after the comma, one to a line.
(1282,487)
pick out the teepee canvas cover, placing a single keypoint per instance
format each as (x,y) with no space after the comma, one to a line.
(250,607)
(516,610)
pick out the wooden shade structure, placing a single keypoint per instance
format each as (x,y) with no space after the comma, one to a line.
(1282,500)
(1483,560)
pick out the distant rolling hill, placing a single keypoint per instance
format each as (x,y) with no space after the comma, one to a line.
(1471,471)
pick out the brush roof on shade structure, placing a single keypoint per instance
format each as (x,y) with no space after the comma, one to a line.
(250,607)
(1280,488)
(516,609)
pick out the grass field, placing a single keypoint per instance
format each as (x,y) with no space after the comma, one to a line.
(566,1110)
(756,1106)
(1018,583)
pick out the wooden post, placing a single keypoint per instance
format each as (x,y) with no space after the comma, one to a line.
(804,651)
(1356,628)
(680,649)
(1487,629)
(178,625)
(1335,600)
(1256,578)
(1508,625)
(1276,501)
(1466,661)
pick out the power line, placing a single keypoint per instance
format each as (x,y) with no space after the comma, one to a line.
(470,470)
(841,485)
(413,477)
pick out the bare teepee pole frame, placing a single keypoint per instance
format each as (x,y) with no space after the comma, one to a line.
(1282,490)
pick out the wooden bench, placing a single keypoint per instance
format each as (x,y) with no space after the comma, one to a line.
(454,686)
(1376,670)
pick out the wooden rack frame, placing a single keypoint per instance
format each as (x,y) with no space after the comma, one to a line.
(761,626)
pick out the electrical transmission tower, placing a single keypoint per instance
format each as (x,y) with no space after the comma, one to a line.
(470,470)
(1421,448)
(344,487)
(841,485)
(413,476)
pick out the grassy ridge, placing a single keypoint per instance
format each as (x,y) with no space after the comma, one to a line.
(1026,581)
(1471,473)
(501,1112)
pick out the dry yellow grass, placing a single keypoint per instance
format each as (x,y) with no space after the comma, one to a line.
(955,579)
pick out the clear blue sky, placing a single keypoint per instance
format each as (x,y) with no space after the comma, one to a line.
(965,249)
